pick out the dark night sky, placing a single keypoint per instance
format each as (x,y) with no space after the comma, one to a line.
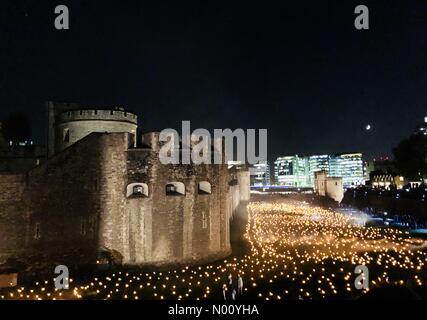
(299,69)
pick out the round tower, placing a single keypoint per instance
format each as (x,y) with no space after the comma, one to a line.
(73,125)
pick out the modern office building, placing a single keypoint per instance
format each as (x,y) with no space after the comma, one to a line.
(349,166)
(300,171)
(422,128)
(292,171)
(317,163)
(260,174)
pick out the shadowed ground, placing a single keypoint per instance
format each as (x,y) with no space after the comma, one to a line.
(239,244)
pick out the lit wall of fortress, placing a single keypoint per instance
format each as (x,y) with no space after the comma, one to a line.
(78,203)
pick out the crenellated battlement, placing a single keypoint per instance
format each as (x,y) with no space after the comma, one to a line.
(114,114)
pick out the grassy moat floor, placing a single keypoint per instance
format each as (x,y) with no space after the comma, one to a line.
(283,249)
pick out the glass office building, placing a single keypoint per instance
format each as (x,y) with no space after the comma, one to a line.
(349,166)
(317,163)
(292,171)
(299,171)
(260,174)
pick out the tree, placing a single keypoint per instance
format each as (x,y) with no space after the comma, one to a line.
(411,157)
(16,127)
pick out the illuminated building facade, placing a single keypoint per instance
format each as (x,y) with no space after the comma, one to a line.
(300,171)
(317,163)
(292,171)
(349,166)
(260,174)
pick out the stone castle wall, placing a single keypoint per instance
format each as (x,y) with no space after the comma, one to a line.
(13,216)
(161,228)
(62,198)
(57,207)
(76,204)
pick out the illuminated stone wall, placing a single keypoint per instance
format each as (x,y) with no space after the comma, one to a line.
(73,125)
(77,204)
(161,228)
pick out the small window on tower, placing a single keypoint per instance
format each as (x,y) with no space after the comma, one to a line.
(66,135)
(82,227)
(175,189)
(91,224)
(204,221)
(37,231)
(137,190)
(204,187)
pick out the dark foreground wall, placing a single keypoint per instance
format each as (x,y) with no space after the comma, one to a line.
(13,216)
(49,215)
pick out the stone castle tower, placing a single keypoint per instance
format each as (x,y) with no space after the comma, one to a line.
(69,123)
(100,191)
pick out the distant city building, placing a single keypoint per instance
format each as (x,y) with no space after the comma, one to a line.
(422,128)
(349,166)
(19,157)
(233,163)
(386,181)
(260,174)
(317,163)
(300,171)
(331,187)
(381,166)
(292,171)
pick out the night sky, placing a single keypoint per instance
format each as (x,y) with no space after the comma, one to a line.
(299,69)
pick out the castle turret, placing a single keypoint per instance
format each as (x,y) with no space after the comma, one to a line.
(70,123)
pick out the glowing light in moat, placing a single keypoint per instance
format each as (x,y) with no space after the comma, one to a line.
(296,252)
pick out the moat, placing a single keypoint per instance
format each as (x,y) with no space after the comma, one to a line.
(283,249)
